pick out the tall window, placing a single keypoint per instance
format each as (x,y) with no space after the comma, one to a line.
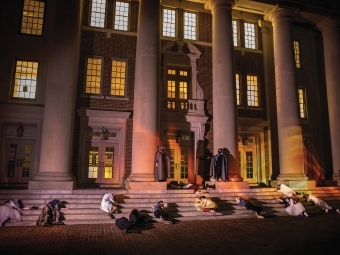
(98,13)
(302,103)
(93,75)
(235,32)
(297,54)
(121,16)
(177,88)
(118,78)
(252,91)
(32,17)
(249,35)
(169,22)
(25,81)
(190,25)
(238,99)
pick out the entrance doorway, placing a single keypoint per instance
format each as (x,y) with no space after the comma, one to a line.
(248,160)
(17,161)
(181,162)
(101,161)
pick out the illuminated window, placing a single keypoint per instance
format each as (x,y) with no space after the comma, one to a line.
(297,54)
(118,78)
(190,25)
(302,103)
(25,80)
(249,35)
(98,13)
(169,22)
(93,75)
(122,16)
(32,17)
(252,91)
(238,99)
(235,32)
(177,83)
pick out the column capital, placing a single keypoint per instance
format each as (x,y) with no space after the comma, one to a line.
(278,13)
(327,24)
(212,4)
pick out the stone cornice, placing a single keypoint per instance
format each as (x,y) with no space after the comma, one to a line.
(212,4)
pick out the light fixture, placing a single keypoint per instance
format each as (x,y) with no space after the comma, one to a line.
(245,140)
(104,135)
(178,136)
(20,130)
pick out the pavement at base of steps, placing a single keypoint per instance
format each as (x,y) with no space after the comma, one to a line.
(289,235)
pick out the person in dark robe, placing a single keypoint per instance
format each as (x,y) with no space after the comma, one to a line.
(219,166)
(162,165)
(124,224)
(136,219)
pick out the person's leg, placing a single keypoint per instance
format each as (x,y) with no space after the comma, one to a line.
(4,220)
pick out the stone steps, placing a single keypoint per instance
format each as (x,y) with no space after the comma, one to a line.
(83,205)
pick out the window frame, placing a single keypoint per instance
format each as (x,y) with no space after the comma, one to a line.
(196,27)
(304,103)
(126,78)
(178,68)
(105,15)
(128,17)
(239,89)
(12,97)
(176,21)
(297,55)
(255,35)
(237,32)
(22,16)
(101,76)
(258,92)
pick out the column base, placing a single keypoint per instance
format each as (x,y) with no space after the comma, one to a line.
(141,177)
(300,185)
(51,185)
(228,185)
(292,177)
(135,185)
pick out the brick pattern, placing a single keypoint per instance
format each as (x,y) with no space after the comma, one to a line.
(110,9)
(205,27)
(134,10)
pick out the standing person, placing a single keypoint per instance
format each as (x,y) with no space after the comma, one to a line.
(295,208)
(108,204)
(162,165)
(160,213)
(250,206)
(219,166)
(206,205)
(320,202)
(50,214)
(10,211)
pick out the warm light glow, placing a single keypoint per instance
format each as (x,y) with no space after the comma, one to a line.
(252,91)
(93,75)
(118,78)
(25,82)
(32,17)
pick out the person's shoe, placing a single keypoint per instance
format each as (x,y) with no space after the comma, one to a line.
(59,223)
(326,210)
(260,217)
(219,179)
(47,225)
(338,211)
(305,214)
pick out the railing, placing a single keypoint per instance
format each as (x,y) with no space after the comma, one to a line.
(180,105)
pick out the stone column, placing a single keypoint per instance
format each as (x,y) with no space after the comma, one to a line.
(331,41)
(224,91)
(55,155)
(288,119)
(145,136)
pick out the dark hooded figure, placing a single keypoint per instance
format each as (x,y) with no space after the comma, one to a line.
(162,165)
(219,166)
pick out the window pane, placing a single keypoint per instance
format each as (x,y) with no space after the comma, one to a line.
(32,17)
(189,26)
(93,163)
(183,90)
(25,81)
(93,75)
(122,16)
(118,78)
(169,22)
(235,36)
(252,91)
(98,13)
(297,54)
(237,76)
(171,89)
(302,103)
(249,35)
(109,162)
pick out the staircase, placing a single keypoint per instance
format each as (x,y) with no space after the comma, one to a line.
(82,206)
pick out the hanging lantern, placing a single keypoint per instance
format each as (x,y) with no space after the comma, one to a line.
(20,130)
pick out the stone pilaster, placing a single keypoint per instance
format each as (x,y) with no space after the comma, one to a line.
(223,71)
(288,119)
(145,112)
(54,168)
(330,29)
